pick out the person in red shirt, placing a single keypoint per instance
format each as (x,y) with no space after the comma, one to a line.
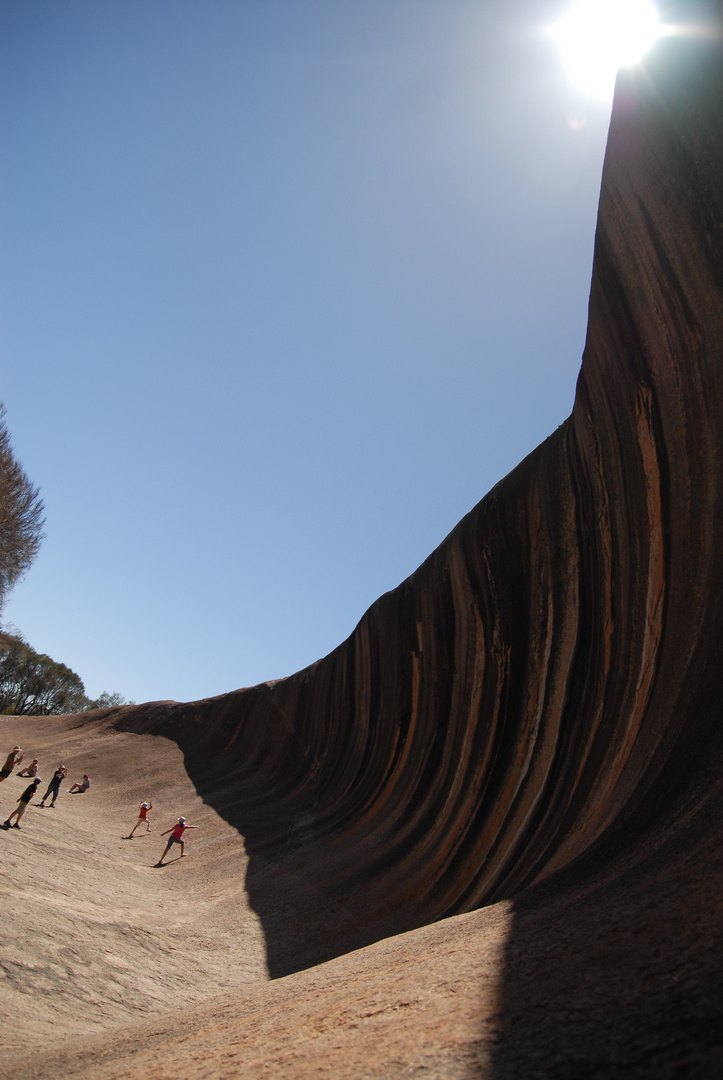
(176,837)
(143,812)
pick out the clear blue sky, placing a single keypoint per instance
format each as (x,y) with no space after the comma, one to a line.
(287,287)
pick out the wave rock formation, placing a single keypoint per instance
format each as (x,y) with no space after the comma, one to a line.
(535,714)
(547,672)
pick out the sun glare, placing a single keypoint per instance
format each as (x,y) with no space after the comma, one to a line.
(599,36)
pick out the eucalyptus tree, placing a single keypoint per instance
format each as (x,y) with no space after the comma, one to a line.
(21,516)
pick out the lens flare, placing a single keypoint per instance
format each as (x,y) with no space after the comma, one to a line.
(599,36)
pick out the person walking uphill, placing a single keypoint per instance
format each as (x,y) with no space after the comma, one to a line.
(14,758)
(22,804)
(54,786)
(175,838)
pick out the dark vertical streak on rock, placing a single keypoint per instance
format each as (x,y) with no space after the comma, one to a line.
(530,686)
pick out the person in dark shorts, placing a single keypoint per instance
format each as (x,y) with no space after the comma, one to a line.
(14,758)
(29,770)
(175,838)
(22,804)
(54,786)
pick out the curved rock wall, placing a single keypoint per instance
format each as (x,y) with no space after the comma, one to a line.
(557,660)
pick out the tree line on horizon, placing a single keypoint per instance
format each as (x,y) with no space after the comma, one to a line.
(31,683)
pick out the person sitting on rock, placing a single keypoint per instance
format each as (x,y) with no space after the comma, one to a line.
(143,812)
(76,789)
(14,758)
(29,770)
(22,804)
(54,786)
(175,838)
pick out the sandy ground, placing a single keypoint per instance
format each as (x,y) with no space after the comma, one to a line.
(423,1004)
(111,967)
(94,935)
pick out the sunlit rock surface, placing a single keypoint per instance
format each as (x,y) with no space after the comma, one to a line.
(552,667)
(534,716)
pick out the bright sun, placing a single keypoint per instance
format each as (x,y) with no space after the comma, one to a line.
(599,36)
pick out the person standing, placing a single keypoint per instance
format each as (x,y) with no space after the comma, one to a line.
(14,758)
(143,811)
(54,786)
(22,804)
(175,838)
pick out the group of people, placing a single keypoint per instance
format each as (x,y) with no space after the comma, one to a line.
(15,758)
(176,831)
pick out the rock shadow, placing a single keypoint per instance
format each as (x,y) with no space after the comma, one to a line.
(307,918)
(613,967)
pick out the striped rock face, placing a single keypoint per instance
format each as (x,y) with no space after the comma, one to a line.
(526,733)
(552,672)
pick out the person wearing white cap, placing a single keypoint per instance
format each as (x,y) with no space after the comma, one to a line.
(54,786)
(176,837)
(143,812)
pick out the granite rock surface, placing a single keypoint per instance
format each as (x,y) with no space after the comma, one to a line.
(524,739)
(553,670)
